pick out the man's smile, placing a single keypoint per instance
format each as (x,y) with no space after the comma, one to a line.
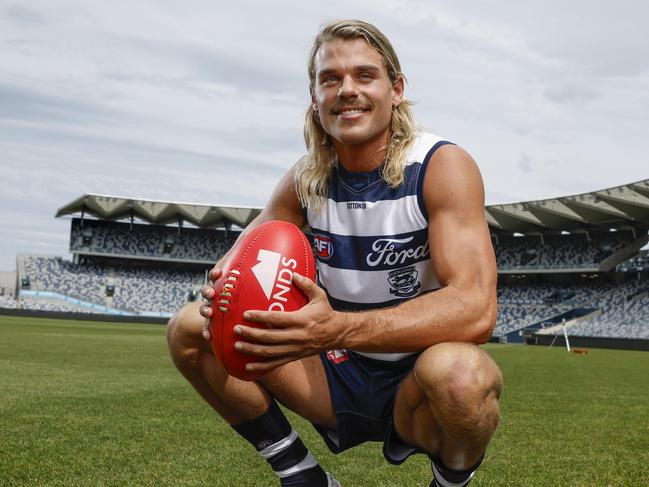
(350,112)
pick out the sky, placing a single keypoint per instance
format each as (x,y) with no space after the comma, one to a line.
(203,101)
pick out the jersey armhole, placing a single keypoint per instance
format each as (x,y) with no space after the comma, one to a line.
(422,175)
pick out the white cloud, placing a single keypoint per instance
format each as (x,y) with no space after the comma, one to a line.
(203,101)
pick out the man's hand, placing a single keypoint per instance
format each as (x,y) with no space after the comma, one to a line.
(208,294)
(292,335)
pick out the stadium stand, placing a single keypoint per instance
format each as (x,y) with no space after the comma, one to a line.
(8,302)
(549,293)
(56,274)
(153,242)
(128,288)
(33,304)
(621,313)
(638,263)
(524,304)
(574,260)
(560,252)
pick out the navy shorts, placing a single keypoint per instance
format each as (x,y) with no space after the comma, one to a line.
(363,392)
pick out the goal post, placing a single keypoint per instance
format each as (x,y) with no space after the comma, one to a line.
(565,335)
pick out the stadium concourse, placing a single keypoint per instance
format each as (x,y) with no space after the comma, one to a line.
(573,263)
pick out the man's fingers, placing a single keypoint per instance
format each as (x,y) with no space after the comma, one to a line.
(306,285)
(215,273)
(267,351)
(207,292)
(206,330)
(205,310)
(276,319)
(264,335)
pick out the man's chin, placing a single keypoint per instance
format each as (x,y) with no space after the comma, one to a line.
(356,137)
(352,137)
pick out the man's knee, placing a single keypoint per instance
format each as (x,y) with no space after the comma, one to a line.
(184,336)
(460,377)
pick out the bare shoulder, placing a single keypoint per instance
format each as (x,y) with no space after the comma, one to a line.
(452,178)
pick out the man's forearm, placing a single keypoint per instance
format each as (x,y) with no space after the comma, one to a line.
(444,315)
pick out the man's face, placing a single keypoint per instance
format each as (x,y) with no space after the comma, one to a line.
(353,93)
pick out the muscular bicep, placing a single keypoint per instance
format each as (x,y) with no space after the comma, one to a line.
(461,251)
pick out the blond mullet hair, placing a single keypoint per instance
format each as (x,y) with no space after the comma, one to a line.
(313,170)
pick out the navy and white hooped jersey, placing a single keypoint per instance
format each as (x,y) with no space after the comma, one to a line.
(371,240)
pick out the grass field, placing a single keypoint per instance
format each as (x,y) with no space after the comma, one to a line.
(86,403)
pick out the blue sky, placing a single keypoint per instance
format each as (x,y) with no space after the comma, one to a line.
(203,101)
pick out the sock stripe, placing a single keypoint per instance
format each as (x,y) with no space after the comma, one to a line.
(306,464)
(445,483)
(280,446)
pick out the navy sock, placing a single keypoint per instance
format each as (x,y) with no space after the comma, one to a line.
(444,476)
(274,439)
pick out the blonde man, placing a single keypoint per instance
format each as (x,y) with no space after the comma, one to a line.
(386,350)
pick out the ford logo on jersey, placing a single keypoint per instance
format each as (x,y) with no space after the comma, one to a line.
(323,246)
(393,251)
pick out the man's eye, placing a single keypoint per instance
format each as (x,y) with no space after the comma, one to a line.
(330,80)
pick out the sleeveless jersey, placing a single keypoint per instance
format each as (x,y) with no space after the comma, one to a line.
(371,240)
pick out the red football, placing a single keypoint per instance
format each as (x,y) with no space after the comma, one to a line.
(258,275)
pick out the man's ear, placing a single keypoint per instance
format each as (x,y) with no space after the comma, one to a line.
(314,103)
(397,90)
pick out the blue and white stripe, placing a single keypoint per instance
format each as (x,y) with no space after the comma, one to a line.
(378,252)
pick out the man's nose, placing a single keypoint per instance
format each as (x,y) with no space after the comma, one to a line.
(348,87)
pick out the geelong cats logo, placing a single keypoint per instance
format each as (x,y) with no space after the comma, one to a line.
(403,282)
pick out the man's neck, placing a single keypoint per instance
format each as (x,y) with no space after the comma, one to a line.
(362,157)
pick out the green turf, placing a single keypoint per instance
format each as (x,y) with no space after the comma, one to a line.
(86,403)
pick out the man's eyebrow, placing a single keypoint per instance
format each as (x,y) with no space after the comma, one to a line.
(367,67)
(363,67)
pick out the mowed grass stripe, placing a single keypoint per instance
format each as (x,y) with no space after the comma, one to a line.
(86,403)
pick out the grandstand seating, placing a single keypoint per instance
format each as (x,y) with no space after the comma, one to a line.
(99,237)
(625,309)
(624,314)
(153,289)
(47,305)
(54,274)
(157,288)
(638,263)
(148,241)
(547,294)
(7,302)
(558,252)
(133,288)
(514,317)
(523,304)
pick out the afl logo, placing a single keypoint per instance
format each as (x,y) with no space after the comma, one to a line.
(323,247)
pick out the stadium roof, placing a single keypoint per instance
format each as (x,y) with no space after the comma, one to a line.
(618,207)
(159,212)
